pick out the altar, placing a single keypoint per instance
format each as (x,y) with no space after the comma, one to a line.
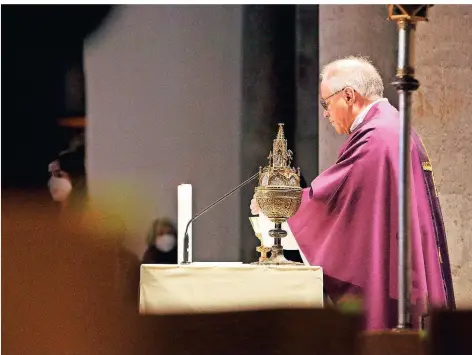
(228,287)
(269,283)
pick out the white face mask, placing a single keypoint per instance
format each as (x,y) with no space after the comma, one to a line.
(59,188)
(166,242)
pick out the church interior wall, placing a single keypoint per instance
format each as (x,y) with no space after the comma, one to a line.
(163,90)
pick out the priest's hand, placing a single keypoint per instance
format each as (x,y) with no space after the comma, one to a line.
(254,206)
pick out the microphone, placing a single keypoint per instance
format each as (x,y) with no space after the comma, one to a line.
(186,237)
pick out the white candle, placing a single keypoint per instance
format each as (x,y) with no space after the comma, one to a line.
(184,215)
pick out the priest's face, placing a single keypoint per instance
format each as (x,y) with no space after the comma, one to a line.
(337,108)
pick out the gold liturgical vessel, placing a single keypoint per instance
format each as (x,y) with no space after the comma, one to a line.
(278,195)
(261,249)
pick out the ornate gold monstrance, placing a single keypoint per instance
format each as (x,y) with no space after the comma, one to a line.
(279,194)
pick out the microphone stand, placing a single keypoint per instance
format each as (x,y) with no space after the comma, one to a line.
(186,237)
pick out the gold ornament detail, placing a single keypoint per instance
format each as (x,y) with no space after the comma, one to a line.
(278,193)
(261,249)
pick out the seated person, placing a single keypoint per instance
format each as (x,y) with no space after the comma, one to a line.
(67,183)
(162,243)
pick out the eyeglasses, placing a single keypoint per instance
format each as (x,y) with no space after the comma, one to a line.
(324,103)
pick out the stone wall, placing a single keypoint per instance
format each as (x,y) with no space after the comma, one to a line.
(164,108)
(441,115)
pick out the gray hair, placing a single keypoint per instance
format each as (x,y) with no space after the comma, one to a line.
(355,72)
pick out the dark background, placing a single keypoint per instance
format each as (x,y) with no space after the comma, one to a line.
(40,44)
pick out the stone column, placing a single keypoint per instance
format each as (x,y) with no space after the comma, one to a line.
(268,97)
(355,30)
(307,86)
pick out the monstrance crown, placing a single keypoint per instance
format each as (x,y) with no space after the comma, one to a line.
(279,173)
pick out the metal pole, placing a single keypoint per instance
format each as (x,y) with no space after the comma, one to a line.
(406,16)
(405,86)
(405,56)
(404,238)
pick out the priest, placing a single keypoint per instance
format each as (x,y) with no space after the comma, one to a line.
(348,219)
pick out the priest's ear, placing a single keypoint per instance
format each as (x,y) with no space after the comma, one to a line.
(349,96)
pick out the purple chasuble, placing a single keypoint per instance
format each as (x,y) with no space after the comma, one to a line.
(348,223)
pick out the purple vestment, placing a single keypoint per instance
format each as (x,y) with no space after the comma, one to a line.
(348,223)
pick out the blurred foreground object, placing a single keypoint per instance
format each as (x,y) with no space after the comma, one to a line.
(268,332)
(450,332)
(386,342)
(68,285)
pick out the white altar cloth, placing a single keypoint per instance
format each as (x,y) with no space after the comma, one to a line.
(226,287)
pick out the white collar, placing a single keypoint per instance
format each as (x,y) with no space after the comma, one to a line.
(360,117)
